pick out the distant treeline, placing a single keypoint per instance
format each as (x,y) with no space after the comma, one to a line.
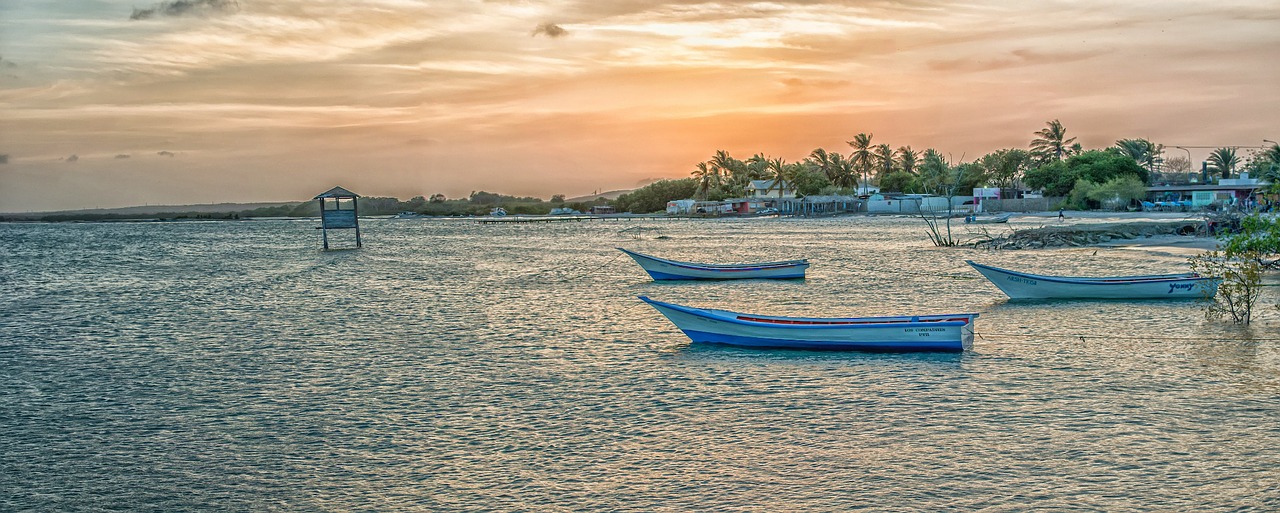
(479,203)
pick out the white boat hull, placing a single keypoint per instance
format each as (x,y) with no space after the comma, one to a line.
(1018,285)
(951,332)
(1003,218)
(663,269)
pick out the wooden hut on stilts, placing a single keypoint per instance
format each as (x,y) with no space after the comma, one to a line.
(338,211)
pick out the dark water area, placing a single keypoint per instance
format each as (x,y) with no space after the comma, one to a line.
(454,366)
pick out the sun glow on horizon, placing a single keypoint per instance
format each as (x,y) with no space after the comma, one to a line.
(415,99)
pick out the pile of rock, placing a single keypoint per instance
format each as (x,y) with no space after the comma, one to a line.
(1085,235)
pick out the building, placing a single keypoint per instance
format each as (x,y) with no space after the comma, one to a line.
(729,206)
(680,207)
(712,207)
(768,189)
(1226,193)
(811,206)
(913,203)
(745,205)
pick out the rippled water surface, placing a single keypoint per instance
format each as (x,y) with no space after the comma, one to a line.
(452,366)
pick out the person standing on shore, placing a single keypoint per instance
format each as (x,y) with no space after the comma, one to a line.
(1060,216)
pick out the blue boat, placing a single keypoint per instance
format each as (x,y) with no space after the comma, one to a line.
(663,269)
(949,332)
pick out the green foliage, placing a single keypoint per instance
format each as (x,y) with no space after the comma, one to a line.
(1051,143)
(654,197)
(1258,236)
(1100,166)
(935,174)
(899,181)
(1223,162)
(720,194)
(726,177)
(489,198)
(809,181)
(304,209)
(1241,263)
(1003,167)
(1143,152)
(378,206)
(1240,288)
(965,177)
(1265,165)
(1116,193)
(886,160)
(1096,166)
(1080,197)
(1052,178)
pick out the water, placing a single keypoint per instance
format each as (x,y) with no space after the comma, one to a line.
(452,366)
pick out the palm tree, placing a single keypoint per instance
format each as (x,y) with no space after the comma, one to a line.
(726,165)
(861,157)
(1269,164)
(757,167)
(844,174)
(1143,152)
(1223,161)
(1051,142)
(907,159)
(1272,154)
(731,171)
(821,161)
(884,156)
(781,174)
(935,174)
(705,176)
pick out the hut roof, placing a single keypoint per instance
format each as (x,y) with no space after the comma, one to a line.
(337,192)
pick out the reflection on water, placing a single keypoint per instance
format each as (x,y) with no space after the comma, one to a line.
(455,366)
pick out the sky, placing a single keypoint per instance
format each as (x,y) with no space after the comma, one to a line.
(107,103)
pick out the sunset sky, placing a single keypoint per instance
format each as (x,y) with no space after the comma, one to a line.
(107,103)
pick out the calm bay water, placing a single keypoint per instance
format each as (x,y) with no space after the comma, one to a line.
(453,366)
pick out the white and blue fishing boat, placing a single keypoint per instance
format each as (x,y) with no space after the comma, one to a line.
(1019,285)
(951,332)
(977,219)
(663,269)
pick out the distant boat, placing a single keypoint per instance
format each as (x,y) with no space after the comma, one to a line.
(663,269)
(498,212)
(976,219)
(1020,285)
(951,332)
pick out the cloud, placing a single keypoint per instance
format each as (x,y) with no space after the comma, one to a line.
(1013,59)
(187,7)
(165,153)
(799,83)
(550,30)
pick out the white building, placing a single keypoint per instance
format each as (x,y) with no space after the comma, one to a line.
(767,189)
(680,207)
(911,203)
